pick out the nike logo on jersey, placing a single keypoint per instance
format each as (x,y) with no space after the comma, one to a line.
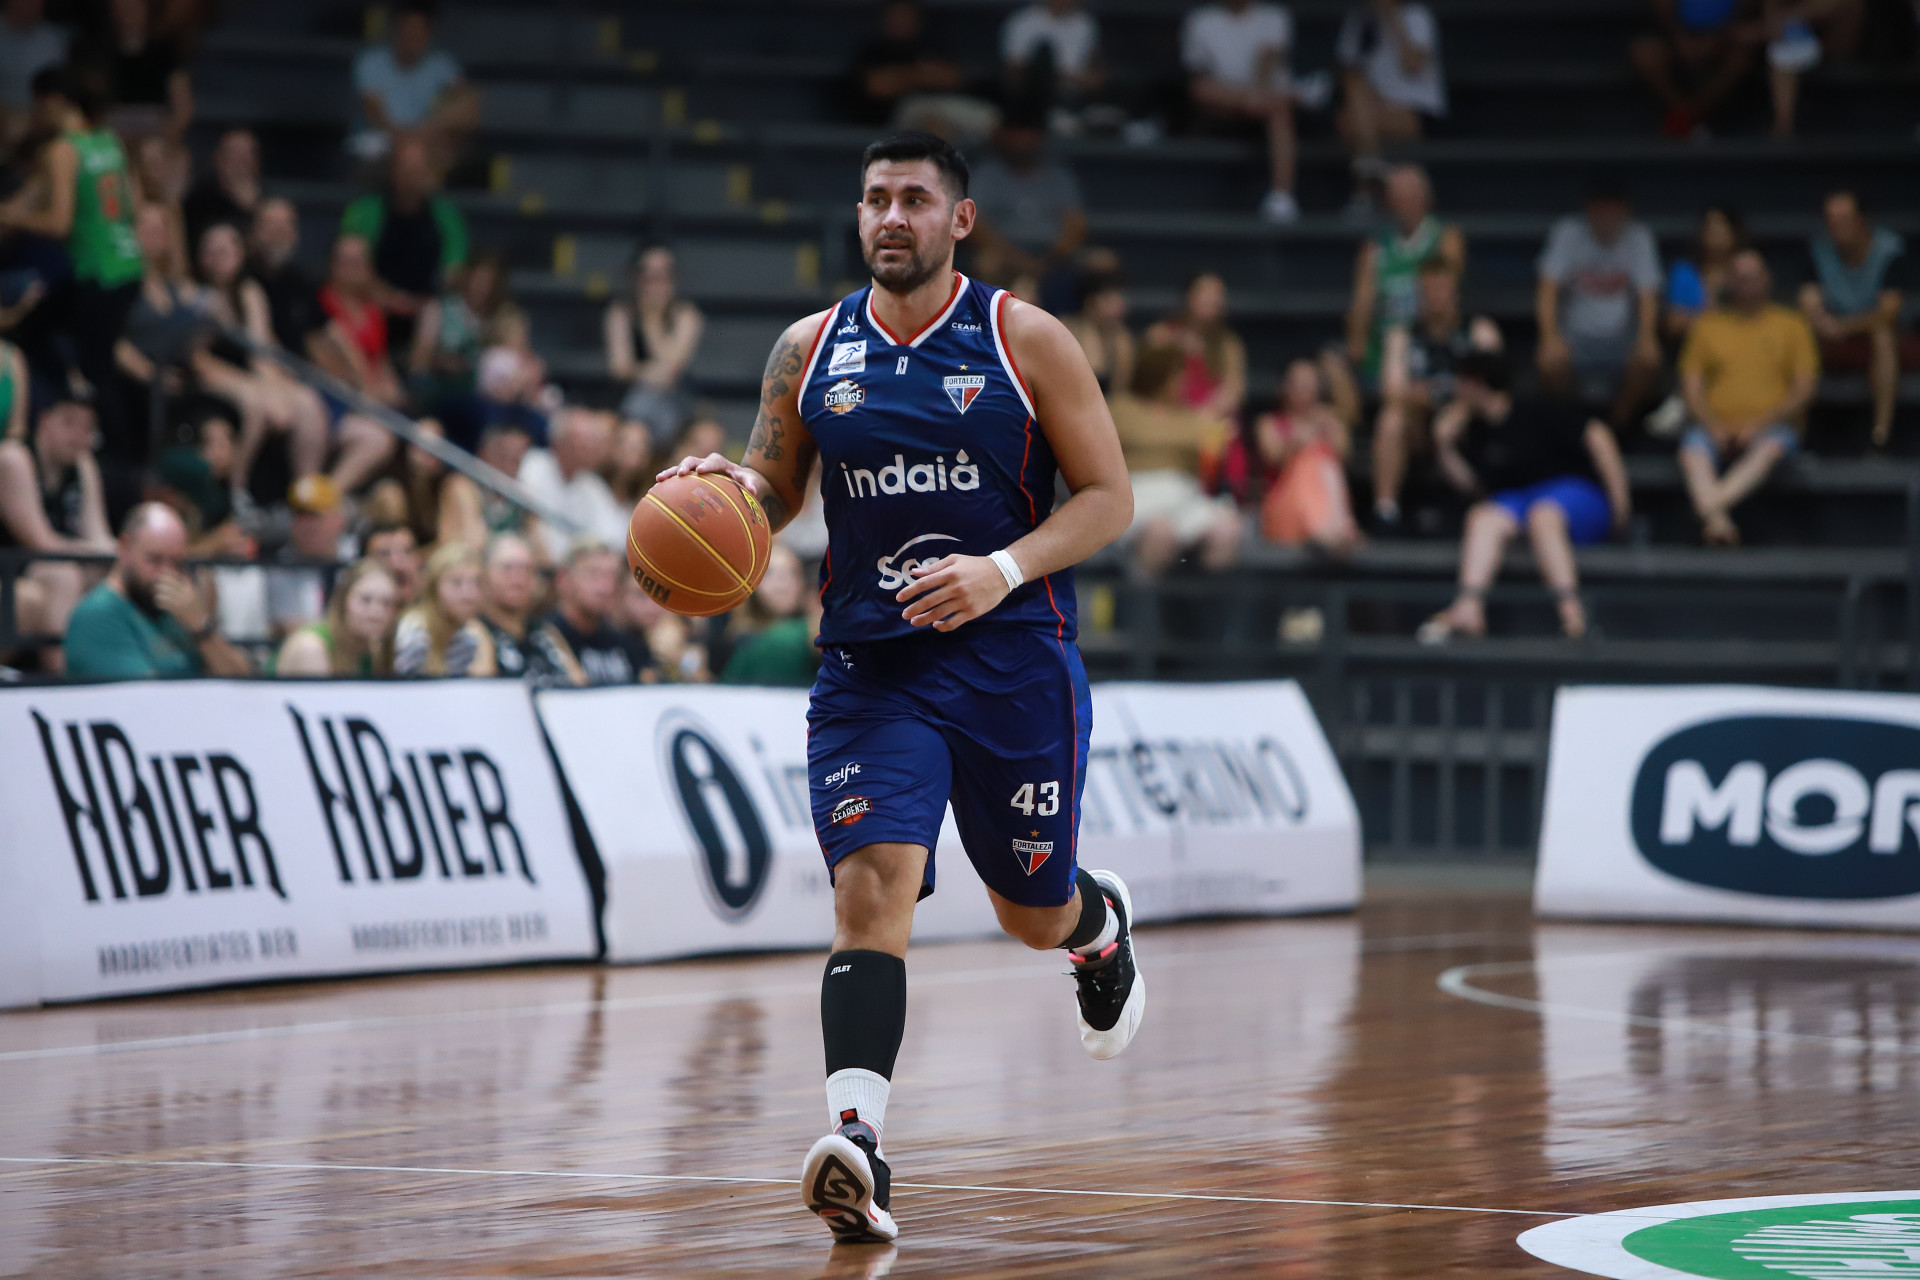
(848,357)
(961,388)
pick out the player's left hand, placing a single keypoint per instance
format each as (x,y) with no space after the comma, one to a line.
(951,591)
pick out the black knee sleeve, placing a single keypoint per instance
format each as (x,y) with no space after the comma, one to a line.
(863,1010)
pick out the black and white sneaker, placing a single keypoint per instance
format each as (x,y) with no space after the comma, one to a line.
(847,1183)
(1113,994)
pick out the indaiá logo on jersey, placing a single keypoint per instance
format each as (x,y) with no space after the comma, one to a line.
(921,477)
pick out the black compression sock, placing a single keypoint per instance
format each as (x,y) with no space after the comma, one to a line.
(863,1010)
(1093,911)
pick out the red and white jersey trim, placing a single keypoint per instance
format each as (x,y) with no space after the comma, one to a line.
(994,309)
(927,329)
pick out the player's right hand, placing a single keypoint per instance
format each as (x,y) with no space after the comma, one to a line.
(713,463)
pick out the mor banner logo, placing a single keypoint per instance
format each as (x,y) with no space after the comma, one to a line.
(734,849)
(146,825)
(1786,806)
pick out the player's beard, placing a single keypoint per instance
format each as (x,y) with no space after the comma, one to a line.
(904,277)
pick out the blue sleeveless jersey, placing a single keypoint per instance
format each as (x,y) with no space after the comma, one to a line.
(930,448)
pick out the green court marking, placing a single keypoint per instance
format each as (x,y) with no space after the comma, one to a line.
(1831,1236)
(1862,1237)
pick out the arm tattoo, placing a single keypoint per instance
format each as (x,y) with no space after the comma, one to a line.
(769,428)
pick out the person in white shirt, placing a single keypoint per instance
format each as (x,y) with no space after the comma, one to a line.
(566,478)
(1051,51)
(1389,51)
(1237,54)
(409,88)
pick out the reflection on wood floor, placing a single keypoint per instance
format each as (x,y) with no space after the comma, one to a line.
(1304,1101)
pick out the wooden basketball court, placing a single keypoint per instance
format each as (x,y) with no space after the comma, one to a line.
(1395,1094)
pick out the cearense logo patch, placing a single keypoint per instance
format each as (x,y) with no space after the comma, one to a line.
(1818,1237)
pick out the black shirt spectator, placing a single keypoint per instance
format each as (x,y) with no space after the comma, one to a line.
(231,193)
(901,60)
(1540,439)
(606,654)
(293,297)
(144,72)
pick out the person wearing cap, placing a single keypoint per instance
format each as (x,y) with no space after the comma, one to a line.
(1598,302)
(148,619)
(297,585)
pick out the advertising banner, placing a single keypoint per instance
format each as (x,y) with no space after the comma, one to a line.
(192,833)
(1733,803)
(1208,799)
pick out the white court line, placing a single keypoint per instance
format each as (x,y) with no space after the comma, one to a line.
(1454,983)
(261,1166)
(279,1031)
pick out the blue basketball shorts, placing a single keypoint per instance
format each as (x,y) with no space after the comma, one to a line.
(995,721)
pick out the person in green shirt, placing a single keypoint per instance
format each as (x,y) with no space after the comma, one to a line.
(418,238)
(1386,272)
(84,196)
(147,620)
(778,647)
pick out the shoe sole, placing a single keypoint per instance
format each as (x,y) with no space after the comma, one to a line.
(1102,1045)
(837,1185)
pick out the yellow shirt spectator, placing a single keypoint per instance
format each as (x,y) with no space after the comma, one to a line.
(1749,362)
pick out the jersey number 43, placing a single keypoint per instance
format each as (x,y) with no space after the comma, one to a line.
(1049,799)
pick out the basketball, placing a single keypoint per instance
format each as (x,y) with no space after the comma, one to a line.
(698,544)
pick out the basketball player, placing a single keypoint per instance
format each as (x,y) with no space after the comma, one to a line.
(941,410)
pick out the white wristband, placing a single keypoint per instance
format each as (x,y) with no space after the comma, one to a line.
(1009,568)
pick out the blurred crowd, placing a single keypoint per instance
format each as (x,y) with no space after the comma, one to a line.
(154,324)
(160,332)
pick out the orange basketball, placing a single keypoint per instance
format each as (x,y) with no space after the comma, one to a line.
(698,544)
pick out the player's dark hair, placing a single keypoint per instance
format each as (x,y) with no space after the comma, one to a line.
(1490,369)
(83,90)
(916,144)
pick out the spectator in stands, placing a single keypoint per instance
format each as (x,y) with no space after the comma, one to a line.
(1166,438)
(148,619)
(522,647)
(1213,374)
(1101,329)
(417,237)
(651,337)
(1748,371)
(144,74)
(629,470)
(296,586)
(1030,216)
(776,629)
(1237,55)
(1386,270)
(1798,33)
(28,45)
(293,297)
(16,392)
(1050,55)
(1541,464)
(512,379)
(678,658)
(1598,304)
(475,515)
(901,76)
(442,635)
(162,173)
(87,202)
(392,543)
(357,349)
(356,636)
(1416,380)
(1697,53)
(587,589)
(1392,89)
(1304,447)
(567,478)
(1853,304)
(51,500)
(1698,284)
(411,91)
(195,470)
(231,193)
(454,330)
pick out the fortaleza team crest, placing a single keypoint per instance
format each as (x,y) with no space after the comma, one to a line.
(1032,853)
(962,388)
(845,396)
(1859,1233)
